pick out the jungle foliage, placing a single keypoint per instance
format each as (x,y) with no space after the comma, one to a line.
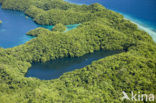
(37,31)
(51,12)
(100,29)
(59,27)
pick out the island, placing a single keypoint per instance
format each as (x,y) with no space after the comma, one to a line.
(0,22)
(100,29)
(40,30)
(59,27)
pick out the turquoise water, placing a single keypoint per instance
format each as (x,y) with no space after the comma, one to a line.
(70,27)
(143,25)
(141,12)
(56,68)
(14,27)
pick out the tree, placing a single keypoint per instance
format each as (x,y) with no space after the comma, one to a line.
(59,27)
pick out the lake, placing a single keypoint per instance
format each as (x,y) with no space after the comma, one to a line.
(54,69)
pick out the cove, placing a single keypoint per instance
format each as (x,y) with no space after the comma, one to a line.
(14,27)
(54,69)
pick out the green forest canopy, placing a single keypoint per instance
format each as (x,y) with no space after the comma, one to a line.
(100,29)
(59,27)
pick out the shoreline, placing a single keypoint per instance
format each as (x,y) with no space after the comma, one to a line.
(141,25)
(147,27)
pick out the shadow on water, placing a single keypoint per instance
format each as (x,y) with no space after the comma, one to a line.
(54,69)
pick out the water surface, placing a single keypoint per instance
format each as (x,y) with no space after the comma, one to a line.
(14,27)
(54,69)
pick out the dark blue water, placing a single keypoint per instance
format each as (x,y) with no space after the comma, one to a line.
(56,68)
(14,27)
(142,12)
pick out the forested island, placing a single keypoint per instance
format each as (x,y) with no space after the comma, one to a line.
(103,81)
(59,27)
(0,22)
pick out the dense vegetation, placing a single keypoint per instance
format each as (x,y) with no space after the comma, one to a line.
(59,27)
(37,31)
(0,22)
(51,12)
(100,29)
